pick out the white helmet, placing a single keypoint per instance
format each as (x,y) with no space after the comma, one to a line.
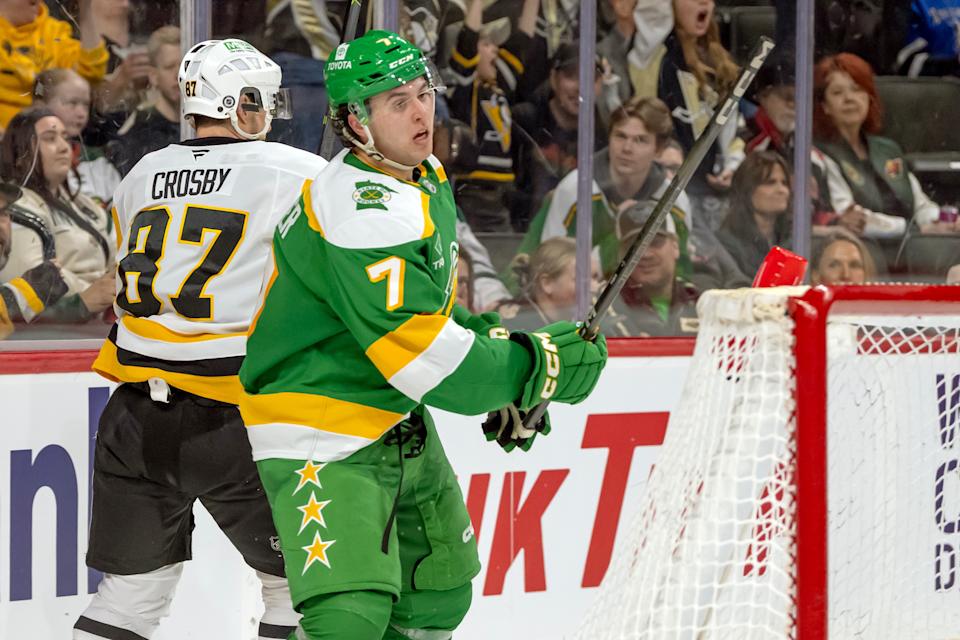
(214,74)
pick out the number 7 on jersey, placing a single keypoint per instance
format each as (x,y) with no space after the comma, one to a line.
(392,269)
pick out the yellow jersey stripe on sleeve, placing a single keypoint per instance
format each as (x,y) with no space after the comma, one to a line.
(28,294)
(432,366)
(465,62)
(512,60)
(395,350)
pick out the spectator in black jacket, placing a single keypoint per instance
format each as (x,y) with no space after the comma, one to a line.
(486,68)
(545,131)
(759,215)
(157,125)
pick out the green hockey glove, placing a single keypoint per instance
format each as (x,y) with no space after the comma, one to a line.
(485,324)
(506,427)
(565,366)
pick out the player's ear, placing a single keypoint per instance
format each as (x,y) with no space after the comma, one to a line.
(356,128)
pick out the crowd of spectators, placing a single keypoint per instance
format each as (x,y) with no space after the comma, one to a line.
(90,86)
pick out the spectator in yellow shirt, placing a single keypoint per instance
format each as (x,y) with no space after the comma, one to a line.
(31,41)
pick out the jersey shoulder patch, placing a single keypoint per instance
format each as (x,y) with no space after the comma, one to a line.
(360,209)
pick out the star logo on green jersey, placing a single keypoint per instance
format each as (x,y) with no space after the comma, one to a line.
(371,195)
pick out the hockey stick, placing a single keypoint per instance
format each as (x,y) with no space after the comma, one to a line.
(349,33)
(591,325)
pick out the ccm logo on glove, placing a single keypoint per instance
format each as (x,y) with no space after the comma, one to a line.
(553,366)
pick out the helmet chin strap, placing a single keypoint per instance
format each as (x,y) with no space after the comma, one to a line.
(260,135)
(371,150)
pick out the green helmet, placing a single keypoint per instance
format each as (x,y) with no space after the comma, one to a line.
(377,61)
(373,63)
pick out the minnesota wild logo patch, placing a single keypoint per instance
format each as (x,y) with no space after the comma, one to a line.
(371,195)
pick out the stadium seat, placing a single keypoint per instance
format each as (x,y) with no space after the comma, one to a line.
(931,256)
(747,24)
(919,113)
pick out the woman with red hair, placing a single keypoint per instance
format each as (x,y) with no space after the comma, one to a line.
(862,167)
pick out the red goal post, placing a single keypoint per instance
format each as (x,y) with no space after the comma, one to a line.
(808,486)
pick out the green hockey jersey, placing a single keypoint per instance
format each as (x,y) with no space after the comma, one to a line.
(358,324)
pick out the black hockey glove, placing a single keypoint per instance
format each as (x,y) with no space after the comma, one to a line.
(506,427)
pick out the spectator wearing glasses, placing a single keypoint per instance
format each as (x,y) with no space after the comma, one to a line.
(655,299)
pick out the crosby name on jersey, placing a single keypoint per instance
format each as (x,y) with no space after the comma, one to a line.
(194,224)
(167,185)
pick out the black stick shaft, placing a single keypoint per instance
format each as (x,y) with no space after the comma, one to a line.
(665,204)
(349,33)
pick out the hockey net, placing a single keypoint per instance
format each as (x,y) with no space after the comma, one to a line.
(808,485)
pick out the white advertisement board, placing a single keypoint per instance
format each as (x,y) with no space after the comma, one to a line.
(546,520)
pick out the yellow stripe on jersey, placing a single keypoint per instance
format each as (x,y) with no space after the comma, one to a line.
(441,173)
(317,412)
(116,227)
(464,62)
(568,220)
(512,60)
(312,220)
(428,227)
(28,294)
(491,176)
(395,350)
(266,292)
(6,325)
(155,331)
(220,388)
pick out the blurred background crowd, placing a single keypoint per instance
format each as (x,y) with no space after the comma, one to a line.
(87,87)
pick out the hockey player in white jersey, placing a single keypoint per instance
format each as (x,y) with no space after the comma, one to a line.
(194,224)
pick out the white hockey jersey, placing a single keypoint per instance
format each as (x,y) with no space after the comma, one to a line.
(195,224)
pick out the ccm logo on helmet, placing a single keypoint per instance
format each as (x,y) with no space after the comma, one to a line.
(405,59)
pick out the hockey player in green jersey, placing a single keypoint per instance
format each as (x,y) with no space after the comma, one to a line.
(358,332)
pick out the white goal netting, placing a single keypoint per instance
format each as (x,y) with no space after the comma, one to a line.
(712,552)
